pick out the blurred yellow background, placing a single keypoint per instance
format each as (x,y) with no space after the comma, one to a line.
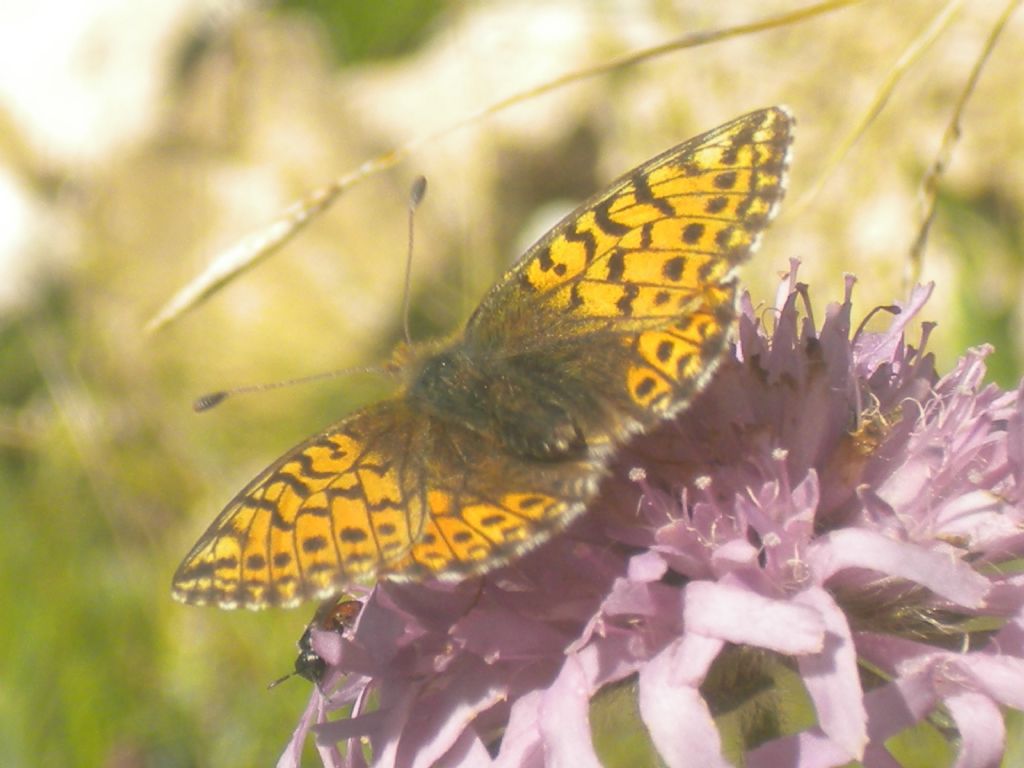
(138,140)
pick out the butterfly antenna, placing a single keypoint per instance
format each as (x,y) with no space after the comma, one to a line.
(416,194)
(211,399)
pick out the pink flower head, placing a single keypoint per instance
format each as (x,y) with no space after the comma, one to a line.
(828,507)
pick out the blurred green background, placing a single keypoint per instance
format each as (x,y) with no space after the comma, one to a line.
(137,140)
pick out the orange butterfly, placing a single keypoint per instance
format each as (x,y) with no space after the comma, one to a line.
(499,436)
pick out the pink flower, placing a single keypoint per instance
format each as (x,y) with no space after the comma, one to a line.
(829,507)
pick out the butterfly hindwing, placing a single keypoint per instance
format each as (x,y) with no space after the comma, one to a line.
(387,491)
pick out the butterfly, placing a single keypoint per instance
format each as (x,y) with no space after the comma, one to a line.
(498,437)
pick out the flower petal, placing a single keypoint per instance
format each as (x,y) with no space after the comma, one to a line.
(292,755)
(439,719)
(565,719)
(982,731)
(521,745)
(1000,676)
(874,349)
(942,572)
(898,705)
(648,566)
(810,749)
(742,616)
(832,677)
(468,752)
(672,707)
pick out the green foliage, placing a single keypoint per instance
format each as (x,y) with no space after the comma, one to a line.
(359,31)
(988,239)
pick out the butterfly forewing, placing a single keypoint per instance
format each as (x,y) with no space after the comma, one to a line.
(634,291)
(656,237)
